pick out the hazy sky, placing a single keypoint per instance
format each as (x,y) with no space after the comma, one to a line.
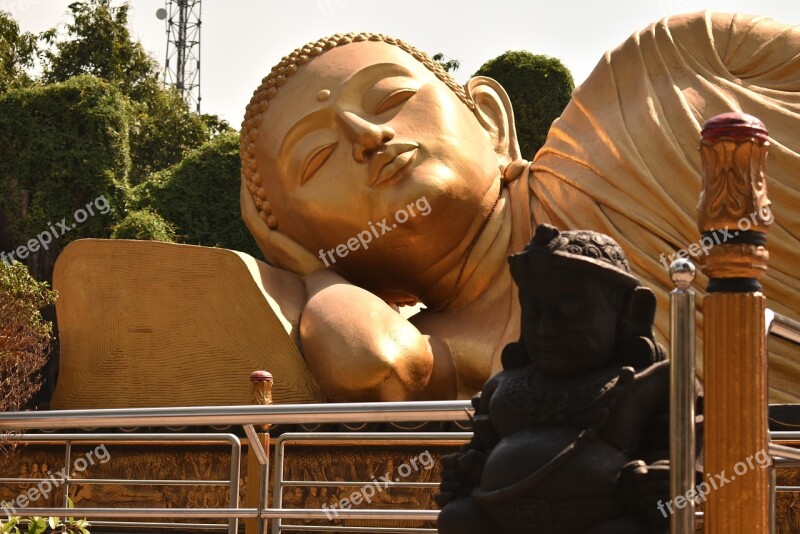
(243,39)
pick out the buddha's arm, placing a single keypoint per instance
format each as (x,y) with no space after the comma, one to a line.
(360,349)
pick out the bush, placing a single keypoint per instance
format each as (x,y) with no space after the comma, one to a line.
(62,146)
(25,338)
(42,525)
(143,225)
(199,196)
(539,87)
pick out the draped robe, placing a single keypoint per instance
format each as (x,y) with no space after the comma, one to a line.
(623,157)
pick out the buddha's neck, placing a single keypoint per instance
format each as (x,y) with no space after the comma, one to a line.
(483,265)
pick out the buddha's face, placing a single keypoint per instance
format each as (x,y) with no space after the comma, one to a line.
(569,325)
(360,132)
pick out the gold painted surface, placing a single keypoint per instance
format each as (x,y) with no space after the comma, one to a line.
(145,323)
(367,117)
(622,159)
(348,130)
(734,190)
(261,395)
(735,410)
(734,186)
(736,261)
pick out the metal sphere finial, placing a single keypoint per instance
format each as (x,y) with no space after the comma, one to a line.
(682,272)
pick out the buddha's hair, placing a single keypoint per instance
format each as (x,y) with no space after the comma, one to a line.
(277,77)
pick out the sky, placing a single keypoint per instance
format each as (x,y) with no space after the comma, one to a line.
(242,39)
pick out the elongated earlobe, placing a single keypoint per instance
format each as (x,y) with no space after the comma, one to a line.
(496,116)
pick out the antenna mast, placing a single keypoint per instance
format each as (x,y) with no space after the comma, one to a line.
(182,67)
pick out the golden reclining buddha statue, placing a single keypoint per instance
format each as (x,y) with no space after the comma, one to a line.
(371,181)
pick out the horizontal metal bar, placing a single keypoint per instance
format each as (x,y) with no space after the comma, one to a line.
(118,481)
(299,513)
(347,438)
(241,513)
(141,513)
(787,488)
(337,484)
(199,437)
(784,452)
(337,528)
(374,412)
(141,524)
(784,435)
(782,326)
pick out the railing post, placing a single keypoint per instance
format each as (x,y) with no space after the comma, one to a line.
(257,471)
(733,213)
(682,393)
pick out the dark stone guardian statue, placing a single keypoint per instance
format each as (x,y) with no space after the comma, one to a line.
(572,435)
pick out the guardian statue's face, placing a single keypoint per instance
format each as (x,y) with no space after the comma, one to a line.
(569,323)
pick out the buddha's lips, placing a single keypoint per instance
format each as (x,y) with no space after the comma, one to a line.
(387,163)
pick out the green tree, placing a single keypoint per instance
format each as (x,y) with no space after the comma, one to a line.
(98,42)
(199,197)
(449,65)
(539,87)
(62,147)
(17,54)
(163,131)
(144,224)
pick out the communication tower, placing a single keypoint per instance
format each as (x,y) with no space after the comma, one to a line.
(182,67)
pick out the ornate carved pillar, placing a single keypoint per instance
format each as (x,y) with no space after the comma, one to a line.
(262,396)
(733,215)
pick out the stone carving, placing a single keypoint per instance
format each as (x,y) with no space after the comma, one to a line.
(572,435)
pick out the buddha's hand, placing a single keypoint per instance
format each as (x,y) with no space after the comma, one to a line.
(277,247)
(645,489)
(362,350)
(461,472)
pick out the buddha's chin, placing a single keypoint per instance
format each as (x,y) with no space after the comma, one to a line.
(439,180)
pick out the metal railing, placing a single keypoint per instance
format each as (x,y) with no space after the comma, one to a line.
(246,416)
(68,479)
(374,438)
(782,326)
(682,393)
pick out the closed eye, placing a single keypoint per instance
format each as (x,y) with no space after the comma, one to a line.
(316,160)
(394,99)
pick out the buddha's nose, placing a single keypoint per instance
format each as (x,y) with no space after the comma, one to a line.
(365,136)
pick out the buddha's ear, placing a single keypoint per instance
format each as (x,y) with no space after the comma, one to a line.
(494,112)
